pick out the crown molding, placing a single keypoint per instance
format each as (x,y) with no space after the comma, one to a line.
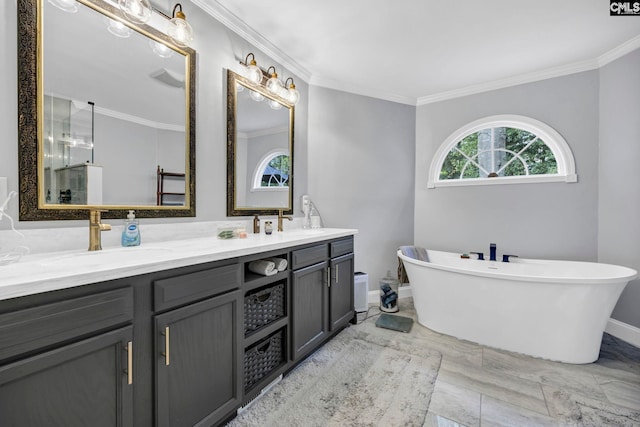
(138,120)
(237,25)
(619,51)
(563,70)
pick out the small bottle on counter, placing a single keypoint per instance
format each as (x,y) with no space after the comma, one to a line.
(256,224)
(268,228)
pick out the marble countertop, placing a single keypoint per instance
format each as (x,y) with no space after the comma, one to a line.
(59,270)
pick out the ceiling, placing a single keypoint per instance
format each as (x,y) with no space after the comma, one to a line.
(417,52)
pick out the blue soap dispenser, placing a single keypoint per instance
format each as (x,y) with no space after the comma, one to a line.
(131,232)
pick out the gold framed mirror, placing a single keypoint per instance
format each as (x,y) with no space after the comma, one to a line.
(106,115)
(259,149)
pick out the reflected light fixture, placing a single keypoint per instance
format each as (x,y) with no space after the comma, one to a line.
(160,49)
(179,29)
(66,5)
(117,28)
(137,11)
(274,85)
(292,94)
(251,70)
(275,105)
(256,96)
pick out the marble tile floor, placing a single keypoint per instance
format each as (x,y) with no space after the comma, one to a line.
(482,386)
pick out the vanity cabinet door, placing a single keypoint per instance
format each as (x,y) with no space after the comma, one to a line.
(198,370)
(86,383)
(341,292)
(309,308)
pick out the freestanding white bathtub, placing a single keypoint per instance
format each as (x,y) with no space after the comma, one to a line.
(555,310)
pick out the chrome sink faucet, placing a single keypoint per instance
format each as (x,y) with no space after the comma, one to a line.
(96,227)
(492,252)
(281,217)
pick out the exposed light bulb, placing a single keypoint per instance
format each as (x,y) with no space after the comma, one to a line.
(179,29)
(292,94)
(274,85)
(253,73)
(137,11)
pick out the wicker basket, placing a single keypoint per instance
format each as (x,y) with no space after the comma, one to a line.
(263,307)
(263,358)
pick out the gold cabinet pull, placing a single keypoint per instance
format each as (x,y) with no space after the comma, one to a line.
(130,362)
(337,274)
(166,345)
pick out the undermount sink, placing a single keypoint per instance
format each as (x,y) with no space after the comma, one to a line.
(303,232)
(102,256)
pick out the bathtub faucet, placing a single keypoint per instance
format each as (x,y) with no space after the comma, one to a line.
(492,252)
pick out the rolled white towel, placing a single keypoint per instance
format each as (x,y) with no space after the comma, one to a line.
(281,263)
(264,267)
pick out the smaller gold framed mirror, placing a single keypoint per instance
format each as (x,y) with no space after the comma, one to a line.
(260,157)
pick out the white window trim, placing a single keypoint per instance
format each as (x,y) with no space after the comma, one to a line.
(262,164)
(555,142)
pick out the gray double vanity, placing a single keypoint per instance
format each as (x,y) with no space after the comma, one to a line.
(179,333)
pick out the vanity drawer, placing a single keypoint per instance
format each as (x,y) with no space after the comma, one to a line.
(308,256)
(341,247)
(190,287)
(41,326)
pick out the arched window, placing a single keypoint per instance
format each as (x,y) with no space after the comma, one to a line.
(272,172)
(502,150)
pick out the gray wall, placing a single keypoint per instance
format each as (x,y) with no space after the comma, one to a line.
(361,169)
(619,195)
(547,220)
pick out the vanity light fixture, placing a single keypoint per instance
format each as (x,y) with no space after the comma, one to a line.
(292,94)
(253,73)
(251,70)
(179,29)
(137,11)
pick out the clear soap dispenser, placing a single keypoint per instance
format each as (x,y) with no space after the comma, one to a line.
(131,232)
(314,215)
(306,223)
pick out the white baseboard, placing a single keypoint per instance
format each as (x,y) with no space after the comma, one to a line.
(624,331)
(618,329)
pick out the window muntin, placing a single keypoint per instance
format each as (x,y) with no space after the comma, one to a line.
(272,172)
(502,150)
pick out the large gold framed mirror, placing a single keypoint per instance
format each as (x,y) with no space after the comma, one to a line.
(259,149)
(106,114)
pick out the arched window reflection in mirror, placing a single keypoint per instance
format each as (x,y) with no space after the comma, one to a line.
(259,150)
